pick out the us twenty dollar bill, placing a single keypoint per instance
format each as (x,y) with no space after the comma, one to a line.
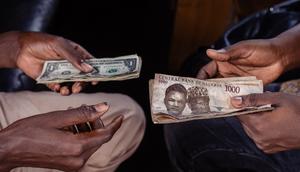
(104,69)
(178,99)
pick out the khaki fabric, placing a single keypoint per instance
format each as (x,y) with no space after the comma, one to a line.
(15,106)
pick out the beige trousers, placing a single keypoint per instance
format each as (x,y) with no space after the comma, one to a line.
(14,106)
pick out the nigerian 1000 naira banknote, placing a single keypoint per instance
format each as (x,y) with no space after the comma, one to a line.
(177,99)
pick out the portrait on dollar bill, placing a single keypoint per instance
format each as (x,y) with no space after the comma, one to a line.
(198,100)
(175,99)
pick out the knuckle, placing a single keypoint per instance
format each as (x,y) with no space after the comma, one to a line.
(76,150)
(86,111)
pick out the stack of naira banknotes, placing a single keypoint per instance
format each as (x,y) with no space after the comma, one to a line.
(177,99)
(105,69)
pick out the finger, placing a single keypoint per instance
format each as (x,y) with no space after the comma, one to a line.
(111,128)
(85,54)
(65,49)
(249,126)
(69,128)
(219,55)
(51,86)
(98,124)
(250,117)
(208,71)
(78,86)
(234,52)
(79,115)
(87,154)
(100,136)
(252,100)
(252,122)
(64,91)
(54,86)
(95,82)
(274,149)
(267,146)
(247,129)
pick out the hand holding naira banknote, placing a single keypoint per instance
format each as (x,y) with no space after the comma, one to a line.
(177,99)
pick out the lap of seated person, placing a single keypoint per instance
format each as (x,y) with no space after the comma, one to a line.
(15,106)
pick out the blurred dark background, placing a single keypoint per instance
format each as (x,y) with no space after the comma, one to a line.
(162,32)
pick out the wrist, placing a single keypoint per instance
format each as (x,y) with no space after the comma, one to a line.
(9,48)
(287,44)
(284,58)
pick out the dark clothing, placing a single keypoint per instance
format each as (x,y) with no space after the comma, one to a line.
(218,145)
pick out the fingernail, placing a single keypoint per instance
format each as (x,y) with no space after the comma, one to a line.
(102,107)
(64,92)
(237,101)
(77,89)
(221,50)
(76,84)
(86,67)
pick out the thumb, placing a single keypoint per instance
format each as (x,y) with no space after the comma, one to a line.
(234,52)
(219,55)
(253,100)
(78,115)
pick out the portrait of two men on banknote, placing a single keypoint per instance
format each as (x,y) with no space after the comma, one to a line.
(177,97)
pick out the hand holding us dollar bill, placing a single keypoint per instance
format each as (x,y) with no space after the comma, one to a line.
(177,99)
(105,69)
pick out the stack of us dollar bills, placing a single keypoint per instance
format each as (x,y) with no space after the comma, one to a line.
(177,99)
(104,69)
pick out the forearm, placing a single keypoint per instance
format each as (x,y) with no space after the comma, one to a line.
(288,43)
(9,49)
(5,166)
